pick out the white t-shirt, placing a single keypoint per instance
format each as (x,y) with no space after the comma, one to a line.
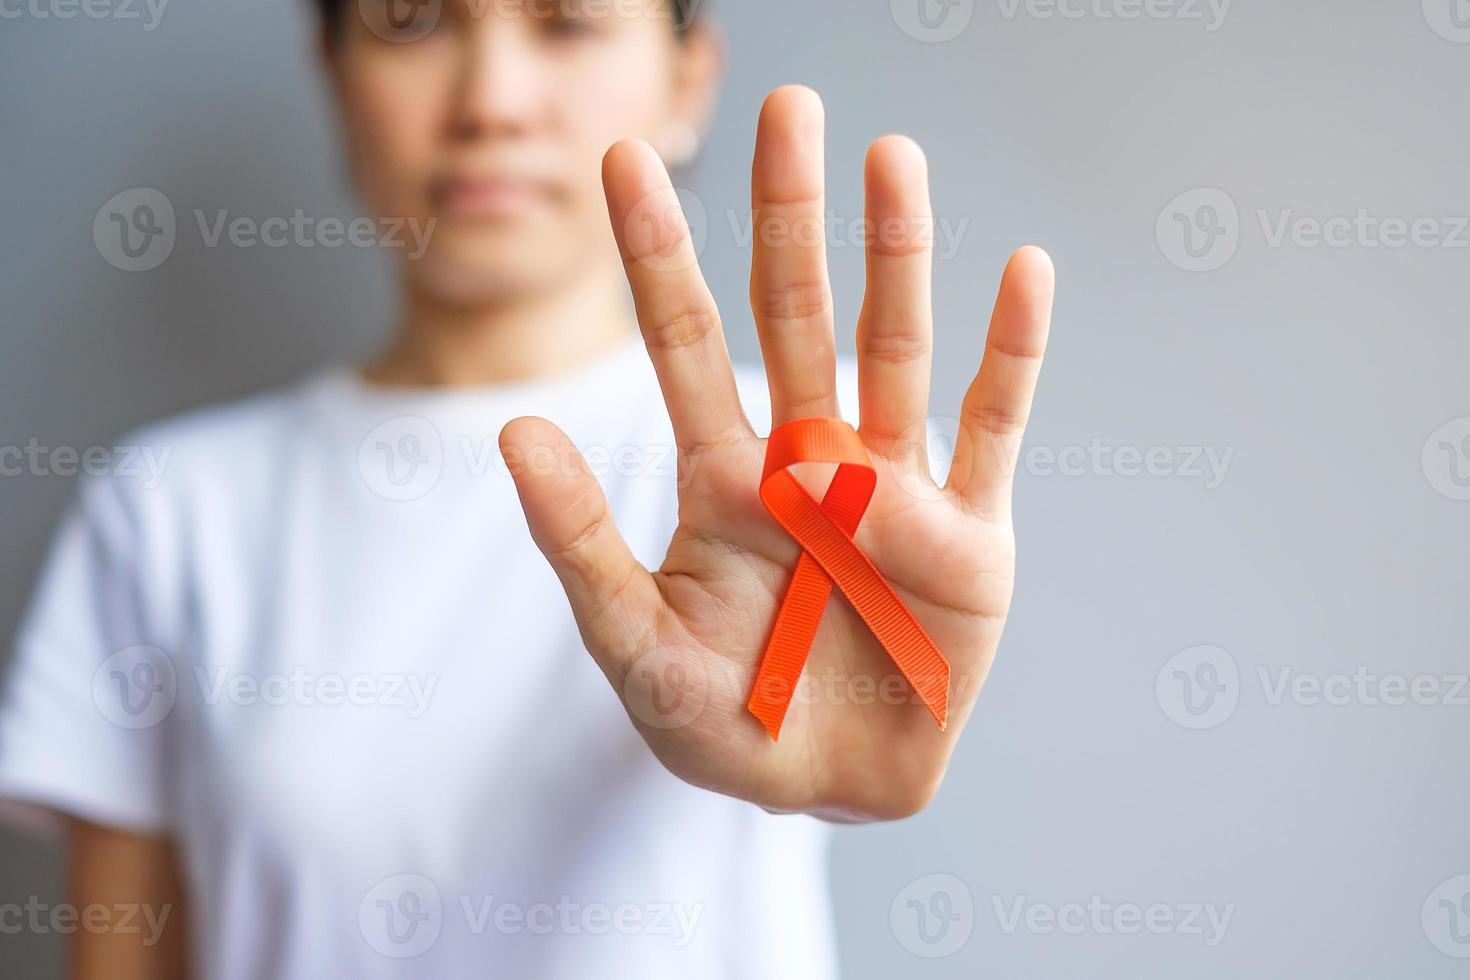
(309,635)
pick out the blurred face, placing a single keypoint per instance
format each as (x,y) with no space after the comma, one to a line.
(491,117)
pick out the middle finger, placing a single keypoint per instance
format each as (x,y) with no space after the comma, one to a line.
(790,295)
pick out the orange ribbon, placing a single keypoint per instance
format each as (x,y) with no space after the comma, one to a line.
(829,557)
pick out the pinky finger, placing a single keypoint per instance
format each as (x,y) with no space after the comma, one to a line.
(998,402)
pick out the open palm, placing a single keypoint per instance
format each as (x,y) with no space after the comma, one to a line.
(681,645)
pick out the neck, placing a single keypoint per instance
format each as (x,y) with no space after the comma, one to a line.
(440,344)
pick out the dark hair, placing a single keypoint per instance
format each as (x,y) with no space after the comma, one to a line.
(331,12)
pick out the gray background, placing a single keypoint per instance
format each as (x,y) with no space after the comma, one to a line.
(1328,545)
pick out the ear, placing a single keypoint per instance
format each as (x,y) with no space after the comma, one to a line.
(329,56)
(700,68)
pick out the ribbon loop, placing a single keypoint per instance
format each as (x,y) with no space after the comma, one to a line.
(829,557)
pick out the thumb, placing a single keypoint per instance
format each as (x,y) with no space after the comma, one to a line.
(614,598)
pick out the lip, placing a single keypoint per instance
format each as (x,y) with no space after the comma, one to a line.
(488,195)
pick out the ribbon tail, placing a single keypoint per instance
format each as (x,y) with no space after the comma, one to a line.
(791,639)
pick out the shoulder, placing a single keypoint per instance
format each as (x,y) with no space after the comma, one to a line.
(152,468)
(750,377)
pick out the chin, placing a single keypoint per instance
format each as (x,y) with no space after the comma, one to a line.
(481,277)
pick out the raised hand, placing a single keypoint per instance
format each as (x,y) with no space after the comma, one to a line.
(703,618)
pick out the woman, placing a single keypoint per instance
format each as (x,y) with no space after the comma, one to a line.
(313,706)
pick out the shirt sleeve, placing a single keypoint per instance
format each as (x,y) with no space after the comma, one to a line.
(88,698)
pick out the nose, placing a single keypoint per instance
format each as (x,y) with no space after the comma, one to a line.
(501,80)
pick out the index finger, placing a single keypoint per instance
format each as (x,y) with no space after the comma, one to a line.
(676,312)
